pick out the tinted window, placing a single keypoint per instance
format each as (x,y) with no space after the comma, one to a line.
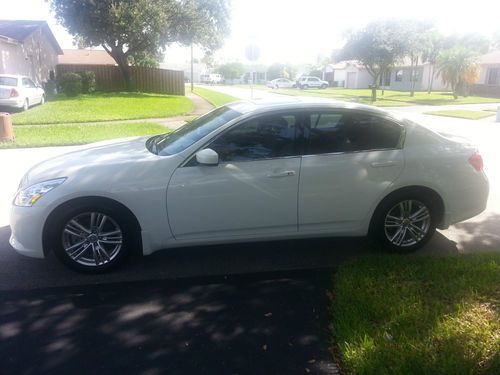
(344,132)
(260,138)
(185,136)
(8,81)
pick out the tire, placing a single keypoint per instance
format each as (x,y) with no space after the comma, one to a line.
(405,222)
(78,238)
(42,100)
(323,87)
(26,105)
(304,87)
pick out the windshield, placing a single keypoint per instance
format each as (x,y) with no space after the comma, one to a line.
(8,81)
(185,136)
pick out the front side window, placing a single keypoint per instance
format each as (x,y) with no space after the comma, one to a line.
(332,132)
(264,137)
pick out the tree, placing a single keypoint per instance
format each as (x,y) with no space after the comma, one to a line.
(416,38)
(431,54)
(378,46)
(458,68)
(126,28)
(231,70)
(495,42)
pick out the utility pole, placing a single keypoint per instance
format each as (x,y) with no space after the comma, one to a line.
(192,85)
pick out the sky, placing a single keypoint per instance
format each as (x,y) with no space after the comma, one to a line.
(299,31)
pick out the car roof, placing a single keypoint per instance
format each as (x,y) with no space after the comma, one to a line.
(12,76)
(298,102)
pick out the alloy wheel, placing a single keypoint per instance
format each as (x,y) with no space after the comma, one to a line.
(407,223)
(92,239)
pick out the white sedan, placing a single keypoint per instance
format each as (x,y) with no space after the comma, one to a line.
(280,83)
(20,92)
(250,171)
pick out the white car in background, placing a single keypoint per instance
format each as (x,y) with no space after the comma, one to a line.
(20,92)
(306,82)
(279,83)
(247,171)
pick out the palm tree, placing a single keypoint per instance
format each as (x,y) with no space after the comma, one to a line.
(458,68)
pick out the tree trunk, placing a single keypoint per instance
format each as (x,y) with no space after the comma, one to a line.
(414,65)
(374,89)
(431,79)
(121,59)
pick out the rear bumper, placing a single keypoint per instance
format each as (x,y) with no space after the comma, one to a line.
(466,202)
(12,102)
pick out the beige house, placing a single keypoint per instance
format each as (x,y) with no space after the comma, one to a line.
(85,57)
(28,48)
(489,75)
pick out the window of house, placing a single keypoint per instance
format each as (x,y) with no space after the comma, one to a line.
(494,76)
(263,137)
(331,132)
(399,75)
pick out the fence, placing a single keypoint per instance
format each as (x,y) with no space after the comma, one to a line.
(486,90)
(109,78)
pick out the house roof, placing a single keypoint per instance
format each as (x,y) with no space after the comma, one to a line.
(19,30)
(86,56)
(490,58)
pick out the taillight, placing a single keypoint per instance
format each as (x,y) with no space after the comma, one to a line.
(14,93)
(476,161)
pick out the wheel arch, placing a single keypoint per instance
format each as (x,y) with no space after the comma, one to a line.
(410,190)
(93,200)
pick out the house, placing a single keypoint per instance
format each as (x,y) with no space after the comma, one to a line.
(28,48)
(85,57)
(353,75)
(489,75)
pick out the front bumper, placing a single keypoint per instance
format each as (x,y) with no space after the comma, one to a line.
(26,224)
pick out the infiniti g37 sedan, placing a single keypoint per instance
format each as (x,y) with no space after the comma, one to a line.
(250,171)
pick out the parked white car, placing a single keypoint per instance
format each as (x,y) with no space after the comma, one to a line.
(279,83)
(20,92)
(306,82)
(262,170)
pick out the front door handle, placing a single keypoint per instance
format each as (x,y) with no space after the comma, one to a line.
(281,174)
(380,164)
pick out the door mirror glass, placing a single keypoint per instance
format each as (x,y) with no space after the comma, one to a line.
(207,156)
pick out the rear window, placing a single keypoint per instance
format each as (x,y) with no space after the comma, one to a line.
(8,81)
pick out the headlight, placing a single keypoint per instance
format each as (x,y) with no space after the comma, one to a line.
(28,196)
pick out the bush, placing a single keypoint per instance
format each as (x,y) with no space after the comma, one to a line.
(88,82)
(71,84)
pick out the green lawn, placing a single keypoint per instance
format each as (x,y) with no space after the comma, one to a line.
(59,135)
(214,97)
(390,97)
(418,315)
(104,107)
(466,114)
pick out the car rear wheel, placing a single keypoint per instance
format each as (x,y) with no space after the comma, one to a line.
(26,105)
(323,86)
(406,223)
(305,87)
(91,239)
(42,100)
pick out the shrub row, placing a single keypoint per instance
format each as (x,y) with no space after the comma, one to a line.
(73,84)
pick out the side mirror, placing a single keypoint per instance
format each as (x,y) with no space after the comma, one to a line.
(207,156)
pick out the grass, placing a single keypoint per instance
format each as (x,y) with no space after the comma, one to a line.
(214,97)
(466,114)
(61,135)
(104,107)
(418,315)
(390,98)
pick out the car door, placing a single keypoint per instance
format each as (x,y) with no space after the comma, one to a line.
(313,82)
(29,89)
(351,159)
(251,192)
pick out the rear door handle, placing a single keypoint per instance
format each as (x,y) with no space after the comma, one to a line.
(380,164)
(281,174)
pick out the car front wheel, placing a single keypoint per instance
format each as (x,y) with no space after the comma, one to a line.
(405,224)
(91,239)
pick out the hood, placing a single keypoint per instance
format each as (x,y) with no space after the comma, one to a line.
(96,155)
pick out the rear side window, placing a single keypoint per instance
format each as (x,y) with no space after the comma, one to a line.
(264,137)
(331,132)
(8,81)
